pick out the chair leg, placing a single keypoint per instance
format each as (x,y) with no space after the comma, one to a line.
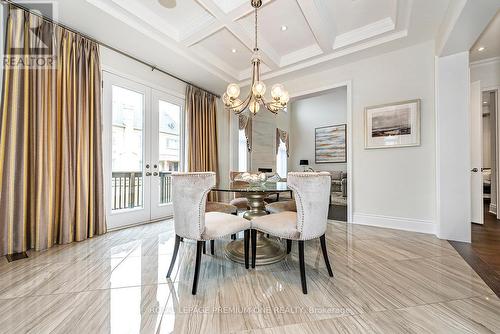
(204,247)
(233,236)
(325,255)
(247,246)
(254,247)
(302,267)
(288,246)
(212,246)
(174,255)
(199,248)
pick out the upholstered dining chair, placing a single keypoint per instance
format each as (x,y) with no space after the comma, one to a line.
(312,195)
(282,206)
(190,192)
(239,200)
(224,208)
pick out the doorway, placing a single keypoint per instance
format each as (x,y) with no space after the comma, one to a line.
(143,145)
(332,111)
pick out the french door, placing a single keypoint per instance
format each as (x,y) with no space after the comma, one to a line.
(143,145)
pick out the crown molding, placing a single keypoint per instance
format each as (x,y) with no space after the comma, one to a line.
(485,62)
(302,54)
(368,31)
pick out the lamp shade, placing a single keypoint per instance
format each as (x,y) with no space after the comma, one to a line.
(304,162)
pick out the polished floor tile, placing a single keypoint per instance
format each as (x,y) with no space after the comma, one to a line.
(386,281)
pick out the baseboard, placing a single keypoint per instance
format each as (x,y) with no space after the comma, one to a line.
(493,209)
(398,223)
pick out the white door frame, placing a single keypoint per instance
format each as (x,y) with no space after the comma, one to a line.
(348,85)
(497,144)
(122,218)
(148,213)
(476,142)
(161,211)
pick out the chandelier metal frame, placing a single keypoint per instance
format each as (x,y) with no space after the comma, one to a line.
(255,97)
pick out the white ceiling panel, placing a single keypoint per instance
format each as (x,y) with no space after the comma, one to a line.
(228,5)
(349,15)
(489,42)
(221,45)
(272,17)
(178,22)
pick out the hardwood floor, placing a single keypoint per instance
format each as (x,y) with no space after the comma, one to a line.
(386,281)
(483,253)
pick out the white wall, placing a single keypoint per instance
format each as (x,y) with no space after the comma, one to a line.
(308,114)
(453,162)
(391,187)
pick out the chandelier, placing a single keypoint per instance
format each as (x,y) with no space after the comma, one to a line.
(255,98)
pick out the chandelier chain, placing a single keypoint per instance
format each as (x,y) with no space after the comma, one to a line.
(256,27)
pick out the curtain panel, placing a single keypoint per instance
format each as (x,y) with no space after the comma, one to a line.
(282,136)
(51,178)
(201,113)
(245,123)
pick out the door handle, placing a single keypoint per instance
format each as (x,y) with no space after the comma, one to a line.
(155,174)
(148,174)
(474,170)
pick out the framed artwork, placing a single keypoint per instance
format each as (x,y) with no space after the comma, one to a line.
(330,144)
(393,125)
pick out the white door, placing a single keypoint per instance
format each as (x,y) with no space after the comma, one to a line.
(143,131)
(166,150)
(476,130)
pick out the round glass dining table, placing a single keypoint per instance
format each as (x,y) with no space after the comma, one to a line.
(268,250)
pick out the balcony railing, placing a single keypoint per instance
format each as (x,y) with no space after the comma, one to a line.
(127,189)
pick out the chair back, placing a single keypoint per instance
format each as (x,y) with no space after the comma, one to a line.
(189,197)
(312,196)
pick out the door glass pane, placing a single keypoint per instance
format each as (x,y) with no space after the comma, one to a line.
(169,147)
(127,145)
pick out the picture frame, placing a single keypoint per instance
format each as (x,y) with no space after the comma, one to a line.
(330,144)
(393,125)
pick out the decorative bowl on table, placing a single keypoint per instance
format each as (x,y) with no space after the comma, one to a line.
(257,179)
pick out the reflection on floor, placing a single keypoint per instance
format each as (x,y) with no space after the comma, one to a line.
(483,253)
(386,281)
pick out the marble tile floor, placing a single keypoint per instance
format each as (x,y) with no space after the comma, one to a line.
(386,281)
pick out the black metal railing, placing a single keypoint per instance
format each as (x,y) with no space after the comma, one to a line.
(165,187)
(127,189)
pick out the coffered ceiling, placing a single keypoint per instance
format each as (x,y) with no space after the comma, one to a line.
(293,34)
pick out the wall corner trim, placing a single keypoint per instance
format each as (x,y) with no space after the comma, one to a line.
(398,223)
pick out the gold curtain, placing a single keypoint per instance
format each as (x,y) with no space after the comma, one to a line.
(201,111)
(51,179)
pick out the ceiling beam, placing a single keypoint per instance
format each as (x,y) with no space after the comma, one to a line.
(323,30)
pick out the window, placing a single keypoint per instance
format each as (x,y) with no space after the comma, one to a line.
(242,152)
(281,160)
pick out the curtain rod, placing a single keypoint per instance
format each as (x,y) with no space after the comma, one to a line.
(123,53)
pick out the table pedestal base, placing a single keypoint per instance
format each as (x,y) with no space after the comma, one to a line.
(268,251)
